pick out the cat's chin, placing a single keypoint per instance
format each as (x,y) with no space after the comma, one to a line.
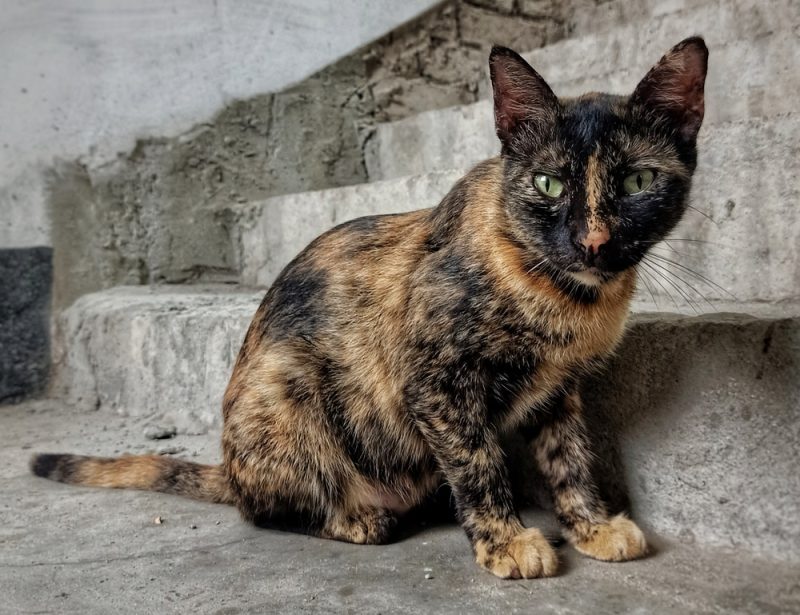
(587,277)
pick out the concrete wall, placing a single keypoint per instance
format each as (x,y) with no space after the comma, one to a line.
(86,79)
(162,211)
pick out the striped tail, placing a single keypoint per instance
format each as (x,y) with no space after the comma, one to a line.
(146,472)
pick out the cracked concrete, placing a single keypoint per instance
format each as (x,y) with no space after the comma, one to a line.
(71,550)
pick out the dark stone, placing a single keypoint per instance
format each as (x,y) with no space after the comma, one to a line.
(26,276)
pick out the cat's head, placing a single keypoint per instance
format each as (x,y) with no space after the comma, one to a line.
(592,183)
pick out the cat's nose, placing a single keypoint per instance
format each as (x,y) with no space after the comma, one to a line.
(594,240)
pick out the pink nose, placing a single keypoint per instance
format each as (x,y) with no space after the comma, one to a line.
(594,239)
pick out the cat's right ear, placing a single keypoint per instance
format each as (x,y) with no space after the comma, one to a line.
(520,93)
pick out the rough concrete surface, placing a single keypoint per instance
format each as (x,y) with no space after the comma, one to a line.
(70,550)
(166,350)
(26,275)
(696,417)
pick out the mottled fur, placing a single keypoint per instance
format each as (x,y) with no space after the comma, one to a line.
(392,353)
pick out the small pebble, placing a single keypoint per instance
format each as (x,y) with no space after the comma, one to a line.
(158,520)
(159,432)
(192,527)
(216,523)
(428,576)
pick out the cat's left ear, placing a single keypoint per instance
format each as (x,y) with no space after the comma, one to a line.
(674,86)
(520,93)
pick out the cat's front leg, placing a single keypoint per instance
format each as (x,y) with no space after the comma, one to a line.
(563,452)
(471,458)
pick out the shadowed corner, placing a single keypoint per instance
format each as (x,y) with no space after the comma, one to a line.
(26,278)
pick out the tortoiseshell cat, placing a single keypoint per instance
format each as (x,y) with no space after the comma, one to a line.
(391,354)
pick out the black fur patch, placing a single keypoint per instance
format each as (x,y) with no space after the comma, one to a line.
(296,303)
(46,465)
(58,467)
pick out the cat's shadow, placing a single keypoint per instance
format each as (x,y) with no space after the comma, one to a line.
(439,511)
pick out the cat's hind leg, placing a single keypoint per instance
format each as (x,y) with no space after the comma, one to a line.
(368,526)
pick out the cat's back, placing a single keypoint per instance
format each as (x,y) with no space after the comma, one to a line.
(358,276)
(356,270)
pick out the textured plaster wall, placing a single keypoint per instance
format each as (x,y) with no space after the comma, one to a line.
(86,79)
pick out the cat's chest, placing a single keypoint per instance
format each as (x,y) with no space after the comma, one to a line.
(562,337)
(549,352)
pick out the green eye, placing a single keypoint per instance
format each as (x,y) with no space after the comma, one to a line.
(548,185)
(638,181)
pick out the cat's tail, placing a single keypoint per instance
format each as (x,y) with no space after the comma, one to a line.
(146,472)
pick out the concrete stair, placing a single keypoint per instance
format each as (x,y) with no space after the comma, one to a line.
(700,408)
(752,74)
(741,236)
(698,415)
(745,188)
(270,233)
(166,350)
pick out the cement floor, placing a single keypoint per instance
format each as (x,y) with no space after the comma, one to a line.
(72,550)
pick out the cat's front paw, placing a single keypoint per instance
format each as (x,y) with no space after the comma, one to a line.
(617,540)
(527,555)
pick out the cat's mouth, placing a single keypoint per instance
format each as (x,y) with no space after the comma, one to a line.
(577,272)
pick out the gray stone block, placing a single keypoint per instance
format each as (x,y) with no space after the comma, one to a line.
(26,277)
(165,352)
(704,413)
(745,235)
(454,138)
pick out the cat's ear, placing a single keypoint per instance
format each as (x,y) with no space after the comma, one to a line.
(674,86)
(520,93)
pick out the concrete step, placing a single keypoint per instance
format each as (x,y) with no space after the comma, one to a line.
(161,350)
(701,412)
(742,234)
(752,73)
(88,551)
